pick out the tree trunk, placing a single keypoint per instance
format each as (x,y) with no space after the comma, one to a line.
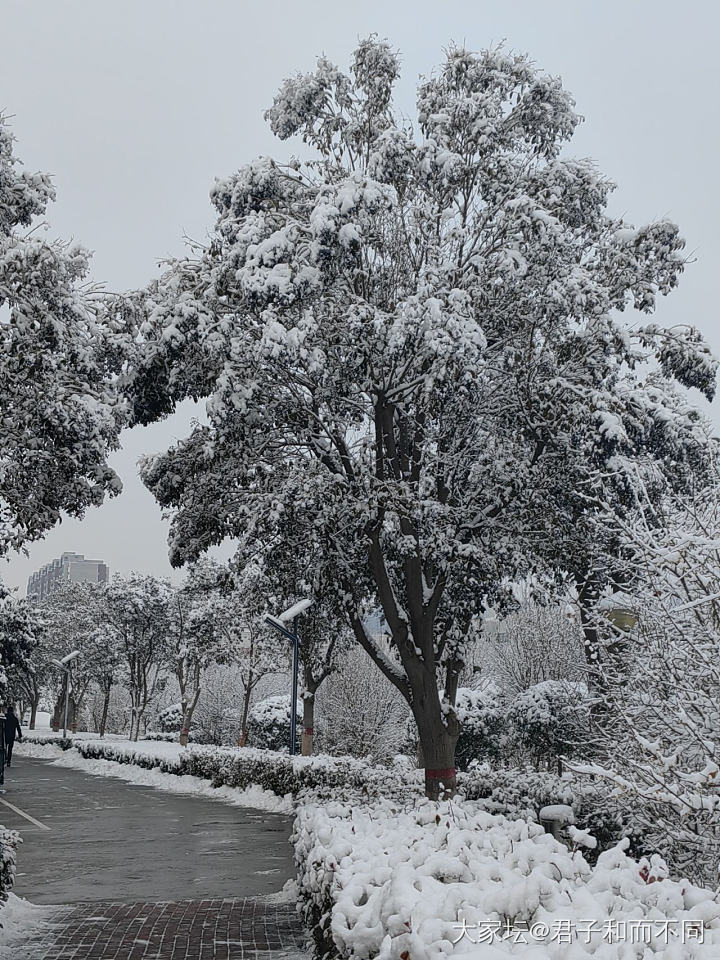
(308,722)
(185,729)
(105,711)
(438,750)
(242,741)
(438,733)
(33,712)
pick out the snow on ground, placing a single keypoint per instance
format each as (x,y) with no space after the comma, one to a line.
(20,919)
(250,797)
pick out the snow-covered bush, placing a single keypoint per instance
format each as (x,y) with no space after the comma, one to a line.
(269,723)
(550,719)
(9,840)
(360,712)
(484,730)
(169,720)
(438,880)
(610,816)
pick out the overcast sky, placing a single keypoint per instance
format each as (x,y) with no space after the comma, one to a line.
(135,107)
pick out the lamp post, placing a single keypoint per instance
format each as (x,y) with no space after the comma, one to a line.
(63,665)
(288,617)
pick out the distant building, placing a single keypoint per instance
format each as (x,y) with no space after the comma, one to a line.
(70,568)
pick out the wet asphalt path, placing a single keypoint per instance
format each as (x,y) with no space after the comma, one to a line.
(112,841)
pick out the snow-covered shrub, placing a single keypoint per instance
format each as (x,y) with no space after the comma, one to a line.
(437,880)
(611,817)
(9,840)
(269,723)
(550,719)
(169,720)
(359,711)
(159,737)
(483,733)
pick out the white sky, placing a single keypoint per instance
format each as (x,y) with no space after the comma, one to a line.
(135,107)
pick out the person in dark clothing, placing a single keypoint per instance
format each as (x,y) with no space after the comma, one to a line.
(12,729)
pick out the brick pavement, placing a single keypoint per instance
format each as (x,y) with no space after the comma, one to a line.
(246,929)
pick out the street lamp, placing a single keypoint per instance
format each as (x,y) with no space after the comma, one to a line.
(288,617)
(63,665)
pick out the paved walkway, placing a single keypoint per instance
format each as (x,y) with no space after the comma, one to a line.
(249,929)
(135,872)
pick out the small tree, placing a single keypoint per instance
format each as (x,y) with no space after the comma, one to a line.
(71,615)
(535,643)
(269,722)
(103,659)
(196,639)
(484,731)
(140,617)
(324,641)
(414,339)
(361,714)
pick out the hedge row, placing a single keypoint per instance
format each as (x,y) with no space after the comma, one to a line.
(270,770)
(428,883)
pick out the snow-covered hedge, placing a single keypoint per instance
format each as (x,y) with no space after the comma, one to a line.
(9,840)
(281,774)
(63,743)
(437,881)
(610,816)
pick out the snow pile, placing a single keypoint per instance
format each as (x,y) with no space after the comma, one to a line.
(451,880)
(20,921)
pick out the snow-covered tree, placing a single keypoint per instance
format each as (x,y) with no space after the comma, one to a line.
(59,354)
(532,644)
(662,716)
(269,722)
(414,339)
(482,712)
(71,616)
(102,657)
(21,663)
(551,720)
(139,615)
(360,712)
(324,640)
(195,640)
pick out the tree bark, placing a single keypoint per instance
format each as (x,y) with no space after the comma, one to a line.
(308,722)
(33,713)
(437,743)
(105,710)
(245,711)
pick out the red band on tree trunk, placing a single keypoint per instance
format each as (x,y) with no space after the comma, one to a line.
(308,731)
(448,774)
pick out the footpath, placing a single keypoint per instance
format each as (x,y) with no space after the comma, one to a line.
(129,871)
